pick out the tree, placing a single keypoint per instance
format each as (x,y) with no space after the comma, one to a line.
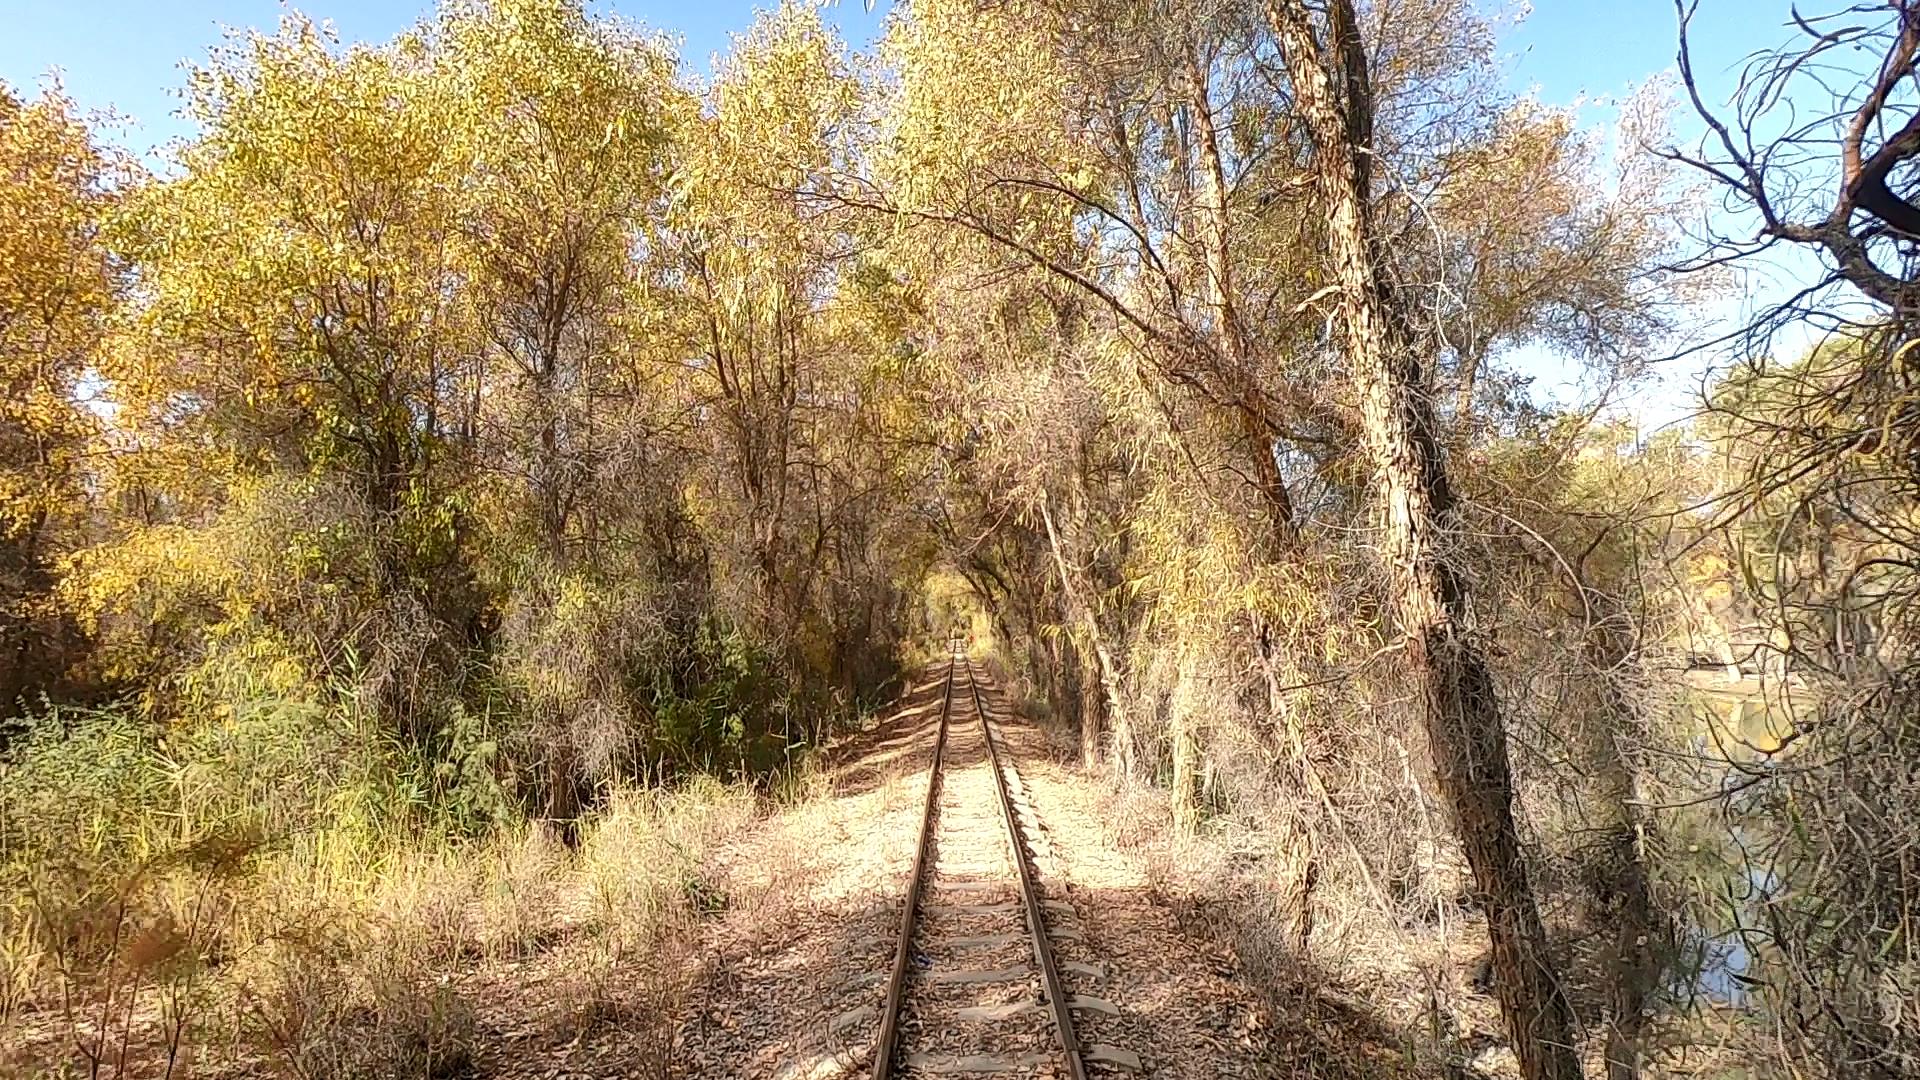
(302,335)
(757,256)
(1823,481)
(1458,708)
(565,126)
(59,283)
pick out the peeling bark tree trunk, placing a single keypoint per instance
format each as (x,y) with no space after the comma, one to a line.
(1456,697)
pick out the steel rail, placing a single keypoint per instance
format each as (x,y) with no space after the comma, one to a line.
(902,952)
(1057,1002)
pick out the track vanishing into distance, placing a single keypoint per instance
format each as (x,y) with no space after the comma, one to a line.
(977,985)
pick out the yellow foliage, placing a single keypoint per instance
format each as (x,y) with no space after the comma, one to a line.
(58,283)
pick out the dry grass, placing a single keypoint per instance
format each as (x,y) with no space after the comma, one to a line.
(382,1014)
(289,965)
(1371,965)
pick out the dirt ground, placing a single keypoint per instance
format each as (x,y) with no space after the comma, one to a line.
(782,975)
(789,991)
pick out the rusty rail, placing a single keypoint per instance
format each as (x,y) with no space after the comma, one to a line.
(1058,1004)
(1056,991)
(903,950)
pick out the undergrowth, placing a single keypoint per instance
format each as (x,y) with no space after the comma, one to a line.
(271,890)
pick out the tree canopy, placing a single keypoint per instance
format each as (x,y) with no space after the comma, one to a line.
(460,431)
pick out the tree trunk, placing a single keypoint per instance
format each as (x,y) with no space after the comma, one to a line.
(1186,753)
(1626,911)
(1215,226)
(1117,717)
(1469,381)
(1632,960)
(1216,231)
(1071,698)
(1299,872)
(1455,690)
(561,808)
(1093,713)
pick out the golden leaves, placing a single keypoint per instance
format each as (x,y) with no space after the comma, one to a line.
(57,282)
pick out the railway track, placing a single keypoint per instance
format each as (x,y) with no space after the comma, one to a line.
(977,985)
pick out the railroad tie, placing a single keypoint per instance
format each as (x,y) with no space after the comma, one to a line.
(969,976)
(958,875)
(1007,1009)
(1060,907)
(975,1063)
(950,1064)
(988,941)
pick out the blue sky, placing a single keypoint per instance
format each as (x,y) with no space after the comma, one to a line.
(1567,47)
(126,55)
(1589,50)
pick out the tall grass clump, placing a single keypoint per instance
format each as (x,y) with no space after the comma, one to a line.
(274,884)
